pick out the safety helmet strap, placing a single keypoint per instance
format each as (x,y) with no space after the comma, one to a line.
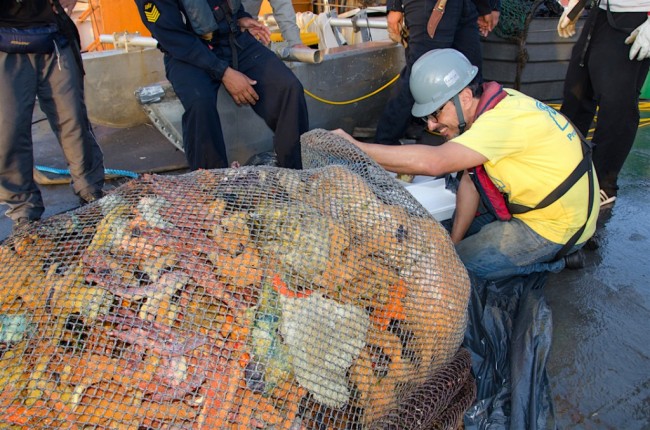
(459,111)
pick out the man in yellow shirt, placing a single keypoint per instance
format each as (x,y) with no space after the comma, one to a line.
(527,149)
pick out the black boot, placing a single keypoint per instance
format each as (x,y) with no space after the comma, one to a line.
(575,260)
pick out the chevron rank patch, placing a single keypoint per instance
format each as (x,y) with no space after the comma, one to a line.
(151,12)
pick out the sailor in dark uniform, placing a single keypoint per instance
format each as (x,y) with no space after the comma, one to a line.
(225,51)
(457,28)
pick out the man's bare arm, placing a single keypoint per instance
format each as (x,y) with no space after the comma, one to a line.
(467,201)
(420,159)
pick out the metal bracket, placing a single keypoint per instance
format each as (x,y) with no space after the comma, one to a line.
(365,31)
(337,33)
(160,104)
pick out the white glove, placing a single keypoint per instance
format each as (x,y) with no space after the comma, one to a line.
(565,27)
(640,41)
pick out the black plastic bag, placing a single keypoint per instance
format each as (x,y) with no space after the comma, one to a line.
(509,337)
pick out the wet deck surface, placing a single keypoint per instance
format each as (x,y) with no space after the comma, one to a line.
(600,359)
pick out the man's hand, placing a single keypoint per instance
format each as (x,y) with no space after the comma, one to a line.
(565,27)
(346,136)
(394,21)
(68,5)
(640,41)
(256,28)
(240,87)
(486,23)
(207,36)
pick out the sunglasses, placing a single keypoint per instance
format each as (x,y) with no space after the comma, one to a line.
(434,116)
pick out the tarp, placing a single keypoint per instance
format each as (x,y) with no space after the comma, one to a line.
(509,337)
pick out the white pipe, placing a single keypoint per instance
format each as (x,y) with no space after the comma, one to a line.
(304,55)
(128,39)
(364,22)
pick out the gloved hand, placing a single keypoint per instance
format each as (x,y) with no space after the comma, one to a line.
(566,27)
(640,41)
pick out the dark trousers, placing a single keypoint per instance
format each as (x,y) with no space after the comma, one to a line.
(602,77)
(57,81)
(457,29)
(281,104)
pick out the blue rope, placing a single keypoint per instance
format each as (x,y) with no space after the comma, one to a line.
(116,172)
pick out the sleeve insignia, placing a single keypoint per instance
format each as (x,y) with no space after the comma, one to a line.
(151,12)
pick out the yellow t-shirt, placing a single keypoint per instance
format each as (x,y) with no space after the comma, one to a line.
(531,149)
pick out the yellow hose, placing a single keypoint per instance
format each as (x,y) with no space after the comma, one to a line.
(644,106)
(347,102)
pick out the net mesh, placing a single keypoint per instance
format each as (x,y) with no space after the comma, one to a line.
(516,15)
(254,297)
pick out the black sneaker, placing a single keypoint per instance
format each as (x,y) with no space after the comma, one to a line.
(86,198)
(575,260)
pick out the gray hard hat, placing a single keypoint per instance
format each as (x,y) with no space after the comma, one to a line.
(437,77)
